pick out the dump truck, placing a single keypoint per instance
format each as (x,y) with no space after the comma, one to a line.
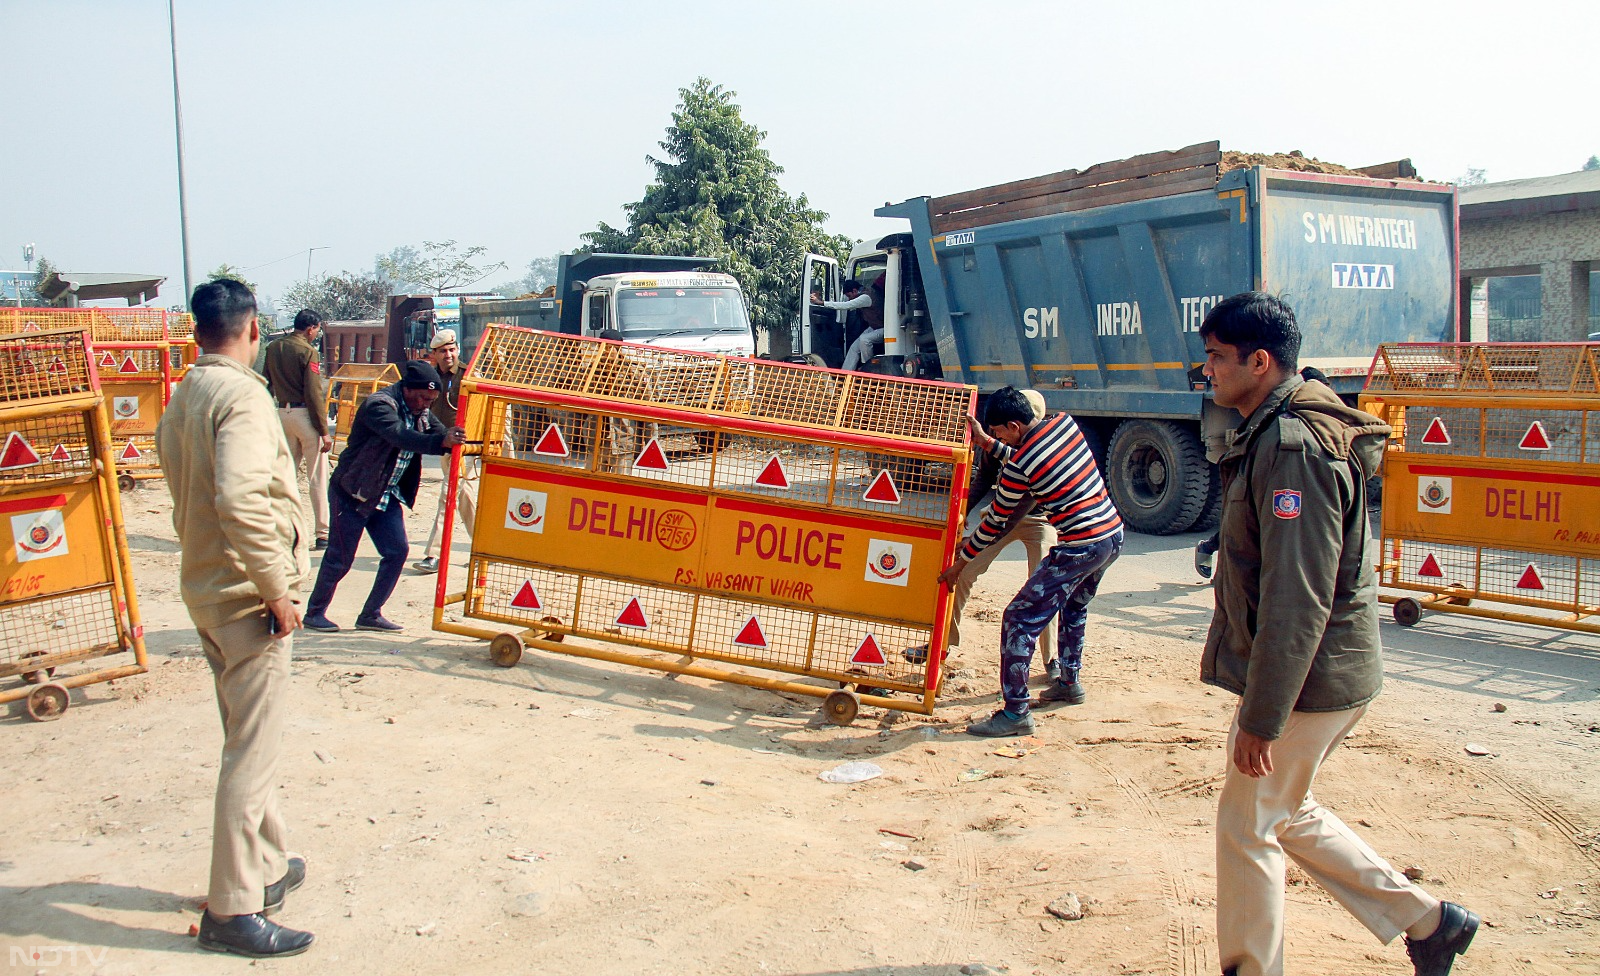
(650,299)
(1090,286)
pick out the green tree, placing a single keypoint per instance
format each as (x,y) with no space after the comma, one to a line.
(1592,163)
(42,269)
(1472,177)
(230,273)
(341,297)
(439,267)
(717,194)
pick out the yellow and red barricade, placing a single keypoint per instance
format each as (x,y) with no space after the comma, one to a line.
(184,350)
(347,390)
(66,581)
(710,516)
(1491,480)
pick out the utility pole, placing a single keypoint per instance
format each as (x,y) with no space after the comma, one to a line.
(308,260)
(177,115)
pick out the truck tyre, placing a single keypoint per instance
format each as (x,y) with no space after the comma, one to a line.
(1211,514)
(1158,476)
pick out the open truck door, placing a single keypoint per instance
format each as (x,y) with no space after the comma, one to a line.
(820,329)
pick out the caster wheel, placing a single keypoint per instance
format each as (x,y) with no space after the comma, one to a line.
(125,482)
(1407,612)
(47,703)
(552,636)
(841,707)
(506,650)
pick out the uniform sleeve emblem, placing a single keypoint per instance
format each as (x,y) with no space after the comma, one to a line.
(316,367)
(1286,503)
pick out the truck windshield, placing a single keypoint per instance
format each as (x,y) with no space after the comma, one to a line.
(646,313)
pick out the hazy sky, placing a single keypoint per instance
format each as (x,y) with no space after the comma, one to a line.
(360,125)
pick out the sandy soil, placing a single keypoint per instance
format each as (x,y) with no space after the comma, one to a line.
(567,815)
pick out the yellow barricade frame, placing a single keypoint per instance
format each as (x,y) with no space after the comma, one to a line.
(348,388)
(637,455)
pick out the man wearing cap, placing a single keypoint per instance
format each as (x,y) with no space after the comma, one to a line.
(379,472)
(443,353)
(294,375)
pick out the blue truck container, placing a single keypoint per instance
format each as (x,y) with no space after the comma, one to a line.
(1091,286)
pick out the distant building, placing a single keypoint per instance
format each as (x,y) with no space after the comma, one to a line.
(1530,259)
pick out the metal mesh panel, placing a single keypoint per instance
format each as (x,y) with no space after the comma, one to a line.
(891,484)
(883,406)
(121,364)
(128,324)
(1504,575)
(1571,368)
(180,326)
(797,394)
(33,367)
(56,630)
(1452,430)
(1527,434)
(634,613)
(59,441)
(136,453)
(529,595)
(657,452)
(534,432)
(761,466)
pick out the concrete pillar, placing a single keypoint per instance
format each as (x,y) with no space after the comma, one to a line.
(1564,300)
(1475,309)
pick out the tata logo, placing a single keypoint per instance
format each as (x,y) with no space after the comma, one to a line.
(957,240)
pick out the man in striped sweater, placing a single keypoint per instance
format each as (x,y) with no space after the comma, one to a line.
(1048,459)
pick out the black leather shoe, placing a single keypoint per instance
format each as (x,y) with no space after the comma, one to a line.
(255,936)
(293,877)
(1435,955)
(320,545)
(1070,692)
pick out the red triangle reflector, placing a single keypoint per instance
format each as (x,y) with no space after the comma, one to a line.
(1529,580)
(773,475)
(129,453)
(883,489)
(527,598)
(551,443)
(1436,434)
(1535,439)
(61,453)
(1430,567)
(128,365)
(108,361)
(868,652)
(32,327)
(633,616)
(750,635)
(652,458)
(17,453)
(56,366)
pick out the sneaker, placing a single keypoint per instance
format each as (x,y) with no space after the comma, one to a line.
(426,565)
(1000,724)
(379,623)
(1064,691)
(320,545)
(317,621)
(293,877)
(1435,955)
(255,936)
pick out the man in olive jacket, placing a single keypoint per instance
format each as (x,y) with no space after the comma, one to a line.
(1295,635)
(376,479)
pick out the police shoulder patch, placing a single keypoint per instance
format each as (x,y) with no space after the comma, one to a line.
(1286,503)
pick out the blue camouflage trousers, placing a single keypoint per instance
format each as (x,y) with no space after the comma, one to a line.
(1066,579)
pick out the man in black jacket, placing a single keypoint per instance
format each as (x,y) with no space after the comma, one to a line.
(378,473)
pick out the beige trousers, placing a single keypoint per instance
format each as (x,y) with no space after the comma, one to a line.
(251,670)
(306,446)
(1038,537)
(466,504)
(1260,820)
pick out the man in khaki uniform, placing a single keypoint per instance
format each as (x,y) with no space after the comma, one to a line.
(444,354)
(294,375)
(238,515)
(1295,636)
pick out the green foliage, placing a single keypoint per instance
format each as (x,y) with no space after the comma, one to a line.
(439,267)
(42,269)
(716,194)
(1472,177)
(341,297)
(1592,163)
(230,273)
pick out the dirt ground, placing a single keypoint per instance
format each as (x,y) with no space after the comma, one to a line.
(575,816)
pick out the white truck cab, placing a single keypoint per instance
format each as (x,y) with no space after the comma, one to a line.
(694,311)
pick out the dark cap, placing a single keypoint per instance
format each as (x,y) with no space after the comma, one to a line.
(420,375)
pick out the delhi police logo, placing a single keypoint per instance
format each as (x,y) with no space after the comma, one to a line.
(525,510)
(888,562)
(1286,503)
(40,535)
(1434,496)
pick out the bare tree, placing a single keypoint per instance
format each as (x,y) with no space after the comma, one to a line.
(440,266)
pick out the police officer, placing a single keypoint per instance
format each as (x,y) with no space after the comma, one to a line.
(294,375)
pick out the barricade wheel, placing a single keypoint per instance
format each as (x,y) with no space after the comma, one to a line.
(47,703)
(40,676)
(506,650)
(125,482)
(1407,612)
(841,707)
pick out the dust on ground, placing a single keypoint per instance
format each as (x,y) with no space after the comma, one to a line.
(571,815)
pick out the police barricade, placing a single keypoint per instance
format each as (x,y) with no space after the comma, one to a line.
(133,355)
(67,593)
(674,507)
(184,351)
(347,390)
(1491,480)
